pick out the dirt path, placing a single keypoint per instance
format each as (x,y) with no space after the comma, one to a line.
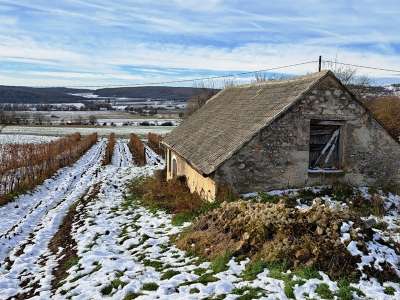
(30,222)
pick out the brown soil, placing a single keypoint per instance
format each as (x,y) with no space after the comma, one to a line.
(63,238)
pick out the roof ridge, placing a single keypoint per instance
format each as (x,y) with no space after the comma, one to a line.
(283,81)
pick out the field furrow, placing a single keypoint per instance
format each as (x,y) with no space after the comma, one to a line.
(31,221)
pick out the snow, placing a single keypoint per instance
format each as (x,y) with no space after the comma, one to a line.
(152,158)
(86,130)
(29,223)
(25,139)
(117,240)
(346,226)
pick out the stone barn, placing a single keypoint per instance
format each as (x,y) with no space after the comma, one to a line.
(292,133)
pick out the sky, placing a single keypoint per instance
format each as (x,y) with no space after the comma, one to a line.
(127,42)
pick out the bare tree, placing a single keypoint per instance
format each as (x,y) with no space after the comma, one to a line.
(260,77)
(206,91)
(358,84)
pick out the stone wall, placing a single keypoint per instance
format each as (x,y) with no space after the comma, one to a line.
(277,157)
(204,186)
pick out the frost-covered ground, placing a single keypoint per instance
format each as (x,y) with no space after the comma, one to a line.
(123,251)
(25,139)
(102,131)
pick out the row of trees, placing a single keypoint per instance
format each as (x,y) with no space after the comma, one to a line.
(87,106)
(26,118)
(23,166)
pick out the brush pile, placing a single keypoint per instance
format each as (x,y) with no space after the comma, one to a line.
(277,233)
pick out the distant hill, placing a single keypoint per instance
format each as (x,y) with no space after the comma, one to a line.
(26,95)
(154,92)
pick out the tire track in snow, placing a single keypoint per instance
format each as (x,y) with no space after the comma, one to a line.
(51,194)
(38,226)
(122,156)
(106,179)
(97,235)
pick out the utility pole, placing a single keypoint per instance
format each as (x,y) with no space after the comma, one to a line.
(319,63)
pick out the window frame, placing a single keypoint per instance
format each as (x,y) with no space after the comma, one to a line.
(340,124)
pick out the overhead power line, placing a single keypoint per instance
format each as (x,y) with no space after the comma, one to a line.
(319,61)
(360,66)
(195,79)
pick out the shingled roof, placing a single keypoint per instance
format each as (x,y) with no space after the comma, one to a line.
(232,117)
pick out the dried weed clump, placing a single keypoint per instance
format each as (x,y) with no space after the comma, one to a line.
(275,233)
(172,195)
(175,197)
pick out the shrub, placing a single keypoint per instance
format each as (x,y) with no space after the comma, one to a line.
(109,149)
(23,166)
(138,149)
(172,196)
(154,142)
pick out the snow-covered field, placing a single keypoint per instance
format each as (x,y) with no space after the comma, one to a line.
(25,139)
(123,251)
(102,131)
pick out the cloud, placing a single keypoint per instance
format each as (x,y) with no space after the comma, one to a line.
(88,42)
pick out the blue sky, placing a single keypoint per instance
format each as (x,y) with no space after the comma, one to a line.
(97,42)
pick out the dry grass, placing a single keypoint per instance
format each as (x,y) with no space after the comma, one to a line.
(138,150)
(173,196)
(387,111)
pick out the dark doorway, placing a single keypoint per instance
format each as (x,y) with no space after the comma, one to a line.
(174,168)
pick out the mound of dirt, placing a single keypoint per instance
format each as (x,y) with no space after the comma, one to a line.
(276,232)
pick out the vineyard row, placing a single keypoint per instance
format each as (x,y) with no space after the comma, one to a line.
(24,166)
